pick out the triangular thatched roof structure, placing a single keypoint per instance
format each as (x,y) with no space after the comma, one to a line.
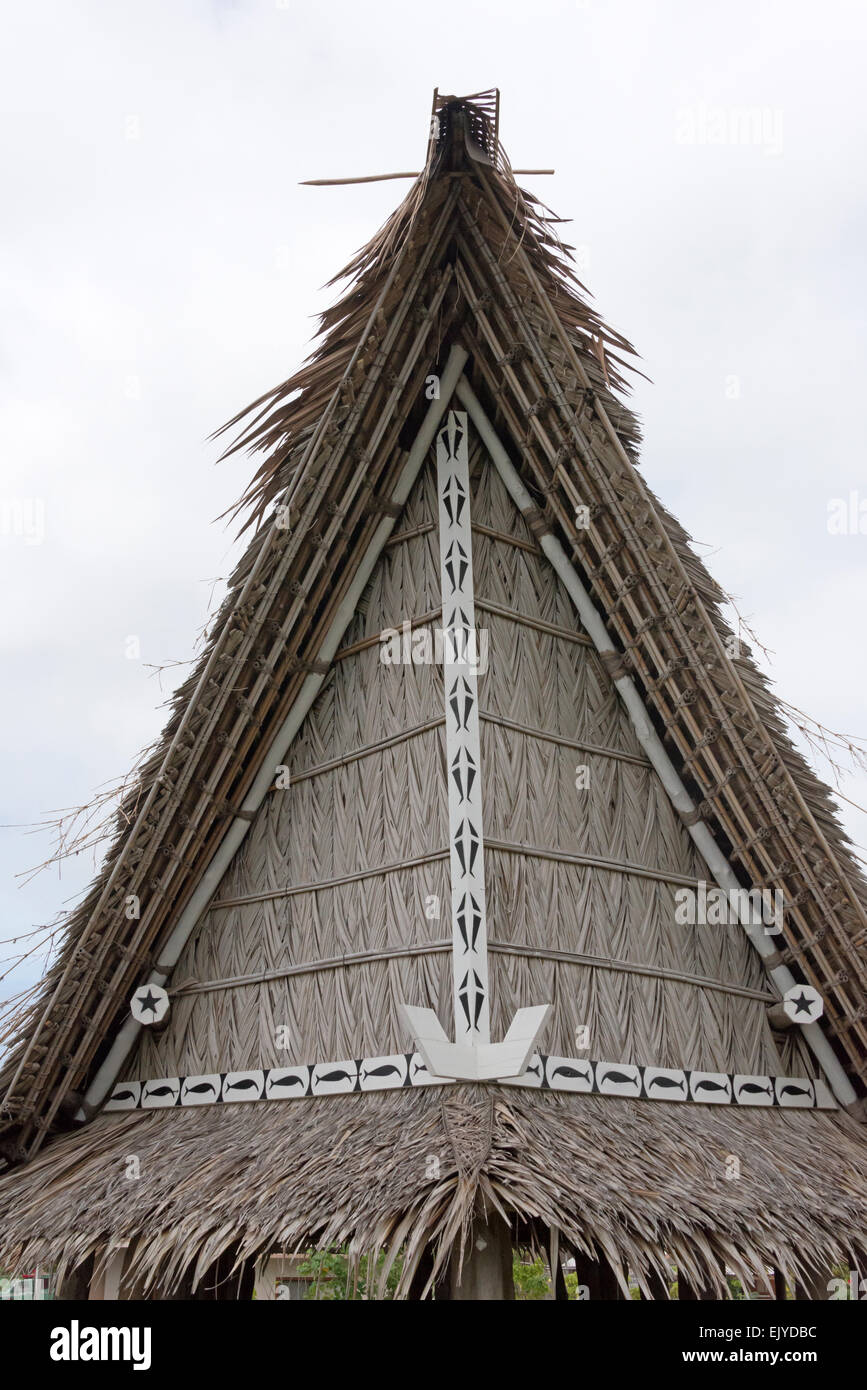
(290,845)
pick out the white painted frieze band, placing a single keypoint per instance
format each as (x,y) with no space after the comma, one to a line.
(402,1070)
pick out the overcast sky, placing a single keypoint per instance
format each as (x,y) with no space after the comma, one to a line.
(161,266)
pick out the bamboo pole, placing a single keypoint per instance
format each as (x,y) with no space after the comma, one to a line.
(382,178)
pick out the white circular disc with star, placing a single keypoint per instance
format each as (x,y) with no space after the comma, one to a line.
(803,1004)
(149,1004)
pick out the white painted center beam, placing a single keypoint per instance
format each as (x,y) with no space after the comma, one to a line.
(463,750)
(472,1055)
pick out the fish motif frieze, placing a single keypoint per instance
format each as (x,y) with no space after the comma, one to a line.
(579,1075)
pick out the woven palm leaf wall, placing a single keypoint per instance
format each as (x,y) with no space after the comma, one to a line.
(346,860)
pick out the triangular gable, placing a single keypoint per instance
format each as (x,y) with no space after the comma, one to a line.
(467,258)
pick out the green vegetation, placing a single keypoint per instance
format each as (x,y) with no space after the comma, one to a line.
(328,1272)
(531,1276)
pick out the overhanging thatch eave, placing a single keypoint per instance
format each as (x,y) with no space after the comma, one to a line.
(633,1179)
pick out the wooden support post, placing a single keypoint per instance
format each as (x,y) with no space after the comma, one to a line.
(561,1293)
(597,1276)
(218,1282)
(686,1291)
(108,1268)
(441,1289)
(76,1283)
(813,1287)
(658,1285)
(779,1285)
(487,1268)
(221,1283)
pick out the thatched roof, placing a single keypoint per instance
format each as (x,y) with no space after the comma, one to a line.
(404,1170)
(468,256)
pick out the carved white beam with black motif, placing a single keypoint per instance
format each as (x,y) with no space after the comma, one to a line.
(463,749)
(404,1070)
(472,1055)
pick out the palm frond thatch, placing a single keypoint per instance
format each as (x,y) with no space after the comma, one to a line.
(407,1170)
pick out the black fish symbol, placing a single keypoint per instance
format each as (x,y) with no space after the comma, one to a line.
(246,1084)
(668,1082)
(419,1066)
(711,1086)
(200,1090)
(570,1072)
(285,1081)
(161,1091)
(336,1076)
(124,1095)
(795,1091)
(755,1090)
(620,1077)
(388,1070)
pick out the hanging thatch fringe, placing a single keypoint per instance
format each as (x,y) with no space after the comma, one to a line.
(402,1172)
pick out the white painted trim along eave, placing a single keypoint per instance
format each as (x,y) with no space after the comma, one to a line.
(647,736)
(410,1070)
(109,1070)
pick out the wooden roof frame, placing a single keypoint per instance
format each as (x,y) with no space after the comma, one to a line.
(468,258)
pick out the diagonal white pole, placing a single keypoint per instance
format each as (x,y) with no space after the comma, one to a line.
(463,755)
